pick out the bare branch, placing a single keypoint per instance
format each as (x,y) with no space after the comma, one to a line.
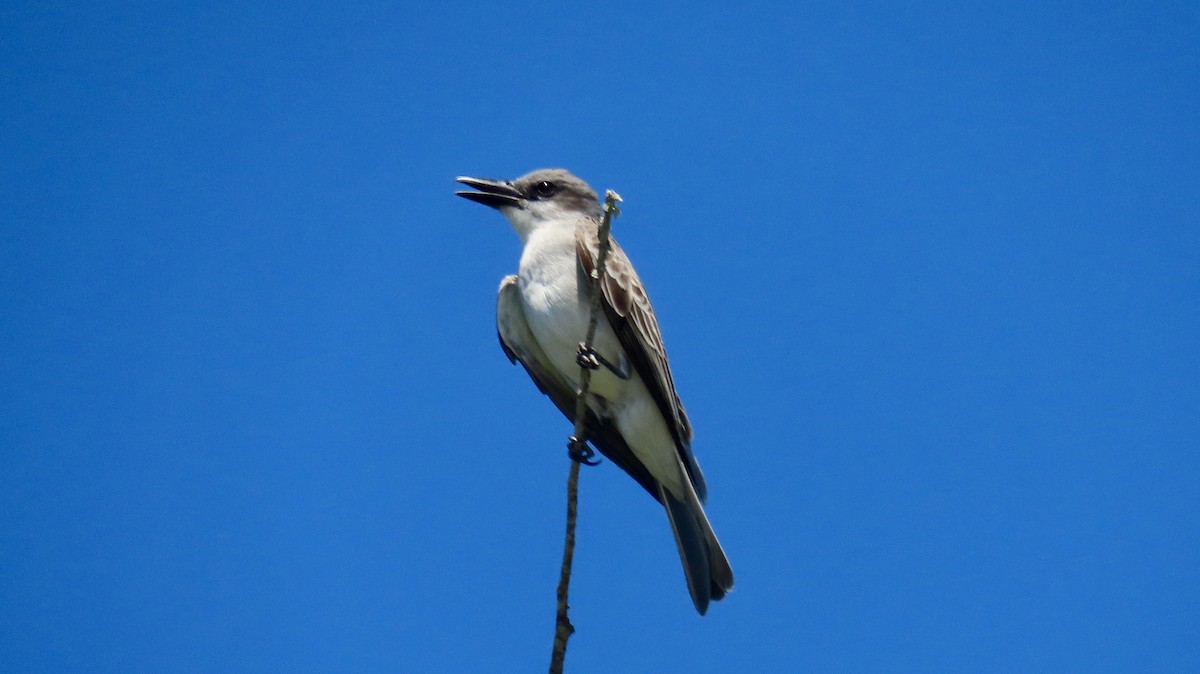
(563,627)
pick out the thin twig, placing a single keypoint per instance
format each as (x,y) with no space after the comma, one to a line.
(563,629)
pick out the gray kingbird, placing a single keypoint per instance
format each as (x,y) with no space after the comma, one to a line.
(634,416)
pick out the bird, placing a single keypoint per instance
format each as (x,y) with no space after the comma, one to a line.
(633,416)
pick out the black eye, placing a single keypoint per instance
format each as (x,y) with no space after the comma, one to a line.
(545,189)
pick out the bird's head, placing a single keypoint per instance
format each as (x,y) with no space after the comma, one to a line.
(536,198)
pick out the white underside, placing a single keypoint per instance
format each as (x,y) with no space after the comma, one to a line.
(558,315)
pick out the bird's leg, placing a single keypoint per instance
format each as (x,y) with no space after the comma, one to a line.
(592,360)
(579,452)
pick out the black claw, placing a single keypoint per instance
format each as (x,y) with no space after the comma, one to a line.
(588,358)
(581,453)
(591,359)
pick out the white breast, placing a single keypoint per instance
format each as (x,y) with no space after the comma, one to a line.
(558,315)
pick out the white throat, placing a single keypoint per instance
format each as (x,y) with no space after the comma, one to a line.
(535,216)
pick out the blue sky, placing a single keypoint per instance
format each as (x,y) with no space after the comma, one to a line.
(929,277)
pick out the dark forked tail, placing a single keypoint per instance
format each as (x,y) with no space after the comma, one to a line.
(705,566)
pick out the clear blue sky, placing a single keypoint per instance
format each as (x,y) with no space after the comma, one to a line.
(929,277)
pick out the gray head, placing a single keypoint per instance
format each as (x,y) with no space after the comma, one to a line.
(536,197)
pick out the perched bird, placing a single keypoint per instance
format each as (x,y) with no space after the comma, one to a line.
(634,416)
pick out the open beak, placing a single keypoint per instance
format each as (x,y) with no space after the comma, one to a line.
(494,193)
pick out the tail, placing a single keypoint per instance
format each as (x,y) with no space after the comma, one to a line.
(705,566)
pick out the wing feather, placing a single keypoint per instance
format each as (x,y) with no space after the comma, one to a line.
(628,309)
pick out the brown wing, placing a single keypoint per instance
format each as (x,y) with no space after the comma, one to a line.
(628,310)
